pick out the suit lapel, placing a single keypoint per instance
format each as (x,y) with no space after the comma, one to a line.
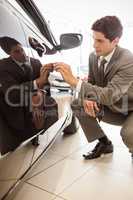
(95,68)
(24,74)
(112,65)
(15,67)
(16,70)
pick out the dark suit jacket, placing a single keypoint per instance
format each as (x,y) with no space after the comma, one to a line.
(15,89)
(117,93)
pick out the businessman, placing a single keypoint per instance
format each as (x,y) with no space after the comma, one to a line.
(21,98)
(108,94)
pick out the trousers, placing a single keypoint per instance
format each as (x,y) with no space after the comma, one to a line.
(93,130)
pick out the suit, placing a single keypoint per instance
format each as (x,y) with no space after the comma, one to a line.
(116,96)
(16,89)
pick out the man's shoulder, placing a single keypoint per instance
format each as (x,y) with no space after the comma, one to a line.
(92,57)
(5,59)
(125,54)
(92,54)
(34,60)
(125,51)
(5,62)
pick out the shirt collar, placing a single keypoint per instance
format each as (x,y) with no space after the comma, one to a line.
(20,63)
(109,56)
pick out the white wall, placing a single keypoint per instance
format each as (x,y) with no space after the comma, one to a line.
(78,16)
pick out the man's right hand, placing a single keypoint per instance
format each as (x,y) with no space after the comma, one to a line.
(37,109)
(44,74)
(66,73)
(90,107)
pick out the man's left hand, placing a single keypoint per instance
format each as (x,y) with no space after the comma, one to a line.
(44,74)
(90,107)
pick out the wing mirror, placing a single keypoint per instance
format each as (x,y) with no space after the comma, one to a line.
(67,41)
(70,40)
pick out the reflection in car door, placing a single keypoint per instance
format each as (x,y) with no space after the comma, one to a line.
(13,165)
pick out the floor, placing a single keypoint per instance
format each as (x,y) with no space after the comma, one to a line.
(63,174)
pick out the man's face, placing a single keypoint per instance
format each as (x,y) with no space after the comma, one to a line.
(18,53)
(102,45)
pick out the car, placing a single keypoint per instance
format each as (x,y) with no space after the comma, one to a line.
(22,20)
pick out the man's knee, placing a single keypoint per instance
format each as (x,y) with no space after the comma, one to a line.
(77,108)
(127,137)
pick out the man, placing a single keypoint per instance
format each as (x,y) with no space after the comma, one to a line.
(108,95)
(21,81)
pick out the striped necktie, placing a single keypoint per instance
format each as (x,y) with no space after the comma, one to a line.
(101,72)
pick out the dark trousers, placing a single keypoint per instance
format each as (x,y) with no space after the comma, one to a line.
(93,130)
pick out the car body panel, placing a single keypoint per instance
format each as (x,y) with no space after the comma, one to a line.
(14,165)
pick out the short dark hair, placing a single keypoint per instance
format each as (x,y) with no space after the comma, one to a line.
(7,43)
(110,26)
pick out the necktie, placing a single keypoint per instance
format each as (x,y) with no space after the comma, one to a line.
(27,71)
(101,72)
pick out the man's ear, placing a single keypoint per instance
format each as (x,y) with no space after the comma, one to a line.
(116,40)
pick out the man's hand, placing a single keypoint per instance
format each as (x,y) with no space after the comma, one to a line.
(44,74)
(90,108)
(37,100)
(66,73)
(37,109)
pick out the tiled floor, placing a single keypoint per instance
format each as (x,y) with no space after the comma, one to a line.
(63,173)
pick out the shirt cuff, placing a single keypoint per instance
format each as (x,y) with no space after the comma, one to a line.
(78,87)
(35,85)
(77,90)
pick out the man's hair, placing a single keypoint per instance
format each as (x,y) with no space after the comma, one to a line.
(110,26)
(7,43)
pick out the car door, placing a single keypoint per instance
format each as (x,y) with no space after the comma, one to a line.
(15,164)
(12,164)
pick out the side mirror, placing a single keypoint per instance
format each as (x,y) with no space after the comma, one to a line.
(67,41)
(70,40)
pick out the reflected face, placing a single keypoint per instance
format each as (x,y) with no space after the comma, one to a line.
(18,53)
(102,45)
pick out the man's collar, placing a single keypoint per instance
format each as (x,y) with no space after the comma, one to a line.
(20,63)
(108,57)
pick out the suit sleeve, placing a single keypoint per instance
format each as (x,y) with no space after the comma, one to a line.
(115,89)
(13,92)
